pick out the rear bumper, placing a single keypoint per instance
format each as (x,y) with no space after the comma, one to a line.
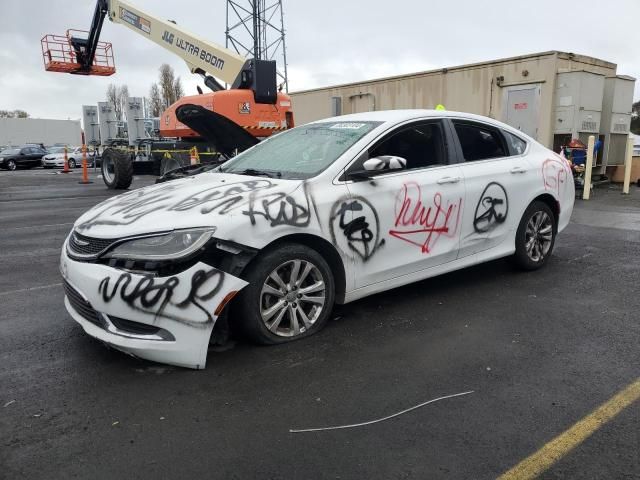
(162,319)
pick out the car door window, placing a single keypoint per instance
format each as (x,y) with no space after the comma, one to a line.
(480,142)
(517,146)
(421,144)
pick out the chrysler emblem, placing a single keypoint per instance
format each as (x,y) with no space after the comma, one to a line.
(82,243)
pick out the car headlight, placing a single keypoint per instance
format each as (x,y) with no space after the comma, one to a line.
(168,246)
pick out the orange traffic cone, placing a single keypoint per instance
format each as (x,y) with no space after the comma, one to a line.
(65,169)
(85,173)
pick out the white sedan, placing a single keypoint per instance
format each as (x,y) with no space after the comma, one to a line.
(325,213)
(55,157)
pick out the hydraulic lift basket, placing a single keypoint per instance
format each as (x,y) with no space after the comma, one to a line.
(60,55)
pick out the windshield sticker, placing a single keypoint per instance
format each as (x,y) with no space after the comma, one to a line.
(348,126)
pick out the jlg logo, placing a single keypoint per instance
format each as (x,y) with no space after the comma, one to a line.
(167,37)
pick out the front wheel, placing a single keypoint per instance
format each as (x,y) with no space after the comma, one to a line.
(290,295)
(72,163)
(535,236)
(11,165)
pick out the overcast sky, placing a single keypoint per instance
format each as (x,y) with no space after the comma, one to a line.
(328,41)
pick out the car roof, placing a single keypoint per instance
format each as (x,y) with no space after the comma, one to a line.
(399,116)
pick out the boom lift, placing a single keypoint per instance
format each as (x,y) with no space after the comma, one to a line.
(226,120)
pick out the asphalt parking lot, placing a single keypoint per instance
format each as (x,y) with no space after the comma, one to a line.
(540,351)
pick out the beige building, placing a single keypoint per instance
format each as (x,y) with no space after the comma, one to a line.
(551,96)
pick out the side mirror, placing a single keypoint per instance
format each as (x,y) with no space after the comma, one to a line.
(378,165)
(385,162)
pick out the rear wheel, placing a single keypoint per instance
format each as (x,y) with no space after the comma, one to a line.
(290,295)
(72,163)
(535,236)
(117,169)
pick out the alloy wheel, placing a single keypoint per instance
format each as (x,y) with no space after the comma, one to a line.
(11,165)
(108,169)
(538,236)
(292,298)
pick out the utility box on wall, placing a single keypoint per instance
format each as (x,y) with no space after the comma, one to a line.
(578,100)
(616,118)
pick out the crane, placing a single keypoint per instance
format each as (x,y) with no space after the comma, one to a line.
(229,119)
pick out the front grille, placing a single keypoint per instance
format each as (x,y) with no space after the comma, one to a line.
(88,246)
(80,305)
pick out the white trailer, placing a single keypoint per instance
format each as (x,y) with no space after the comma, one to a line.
(18,131)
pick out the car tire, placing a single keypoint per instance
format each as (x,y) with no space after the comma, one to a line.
(267,310)
(535,237)
(117,169)
(71,163)
(11,165)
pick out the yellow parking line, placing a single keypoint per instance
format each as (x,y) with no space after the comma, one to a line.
(557,448)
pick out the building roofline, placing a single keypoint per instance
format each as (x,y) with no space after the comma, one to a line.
(468,66)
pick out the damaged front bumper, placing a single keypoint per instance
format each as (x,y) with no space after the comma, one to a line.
(162,319)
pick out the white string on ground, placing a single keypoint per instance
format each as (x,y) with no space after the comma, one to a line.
(378,420)
(10,292)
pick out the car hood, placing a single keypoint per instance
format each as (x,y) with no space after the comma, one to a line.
(231,203)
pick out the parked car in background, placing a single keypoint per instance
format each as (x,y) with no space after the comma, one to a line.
(325,213)
(35,144)
(55,157)
(27,157)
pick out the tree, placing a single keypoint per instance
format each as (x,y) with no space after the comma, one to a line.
(155,101)
(170,87)
(117,97)
(112,97)
(177,88)
(13,114)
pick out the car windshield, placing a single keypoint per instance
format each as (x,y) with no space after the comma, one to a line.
(300,153)
(56,150)
(11,151)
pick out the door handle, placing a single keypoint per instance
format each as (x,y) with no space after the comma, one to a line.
(448,180)
(518,170)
